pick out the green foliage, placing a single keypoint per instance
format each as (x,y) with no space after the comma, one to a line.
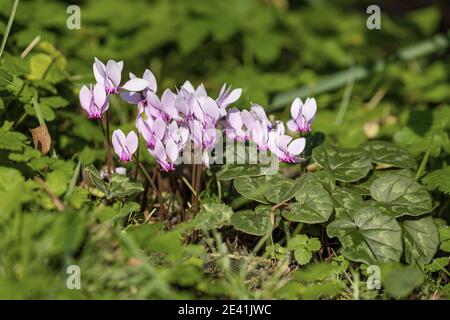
(438,179)
(401,195)
(257,222)
(368,236)
(303,248)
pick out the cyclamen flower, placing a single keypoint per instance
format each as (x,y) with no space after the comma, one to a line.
(227,97)
(109,76)
(94,100)
(151,129)
(165,154)
(124,146)
(284,147)
(139,87)
(239,124)
(302,115)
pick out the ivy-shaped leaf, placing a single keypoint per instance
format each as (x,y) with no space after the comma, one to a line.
(121,186)
(368,236)
(444,236)
(212,216)
(345,164)
(265,189)
(401,195)
(256,222)
(314,205)
(345,199)
(387,154)
(420,239)
(233,171)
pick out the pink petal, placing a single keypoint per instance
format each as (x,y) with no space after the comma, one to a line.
(85,98)
(148,75)
(132,142)
(114,71)
(309,109)
(295,108)
(99,95)
(136,84)
(297,146)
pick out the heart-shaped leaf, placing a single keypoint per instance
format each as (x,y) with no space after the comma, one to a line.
(345,164)
(212,216)
(368,236)
(233,171)
(388,155)
(256,222)
(421,240)
(252,188)
(265,189)
(345,200)
(401,195)
(314,204)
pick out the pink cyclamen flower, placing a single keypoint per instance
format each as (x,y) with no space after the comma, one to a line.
(137,88)
(302,115)
(151,129)
(165,154)
(124,146)
(227,97)
(239,124)
(94,100)
(108,75)
(285,148)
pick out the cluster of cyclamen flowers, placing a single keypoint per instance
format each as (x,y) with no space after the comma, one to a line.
(189,117)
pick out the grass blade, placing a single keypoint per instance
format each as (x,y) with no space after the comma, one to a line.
(8,26)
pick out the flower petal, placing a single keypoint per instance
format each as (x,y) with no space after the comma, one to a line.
(297,146)
(136,84)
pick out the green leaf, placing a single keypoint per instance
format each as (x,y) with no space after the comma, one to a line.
(401,195)
(252,188)
(233,171)
(13,191)
(420,239)
(212,216)
(438,179)
(386,155)
(399,281)
(281,190)
(303,248)
(121,186)
(437,264)
(444,236)
(256,222)
(345,200)
(345,164)
(368,236)
(314,204)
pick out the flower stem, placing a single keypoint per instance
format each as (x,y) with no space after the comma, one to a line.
(109,158)
(152,183)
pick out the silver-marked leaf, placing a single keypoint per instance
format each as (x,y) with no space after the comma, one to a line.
(212,216)
(401,195)
(386,155)
(421,240)
(256,222)
(368,236)
(252,188)
(233,171)
(281,189)
(345,200)
(345,164)
(121,186)
(323,177)
(314,205)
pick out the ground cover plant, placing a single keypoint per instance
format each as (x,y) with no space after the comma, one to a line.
(163,151)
